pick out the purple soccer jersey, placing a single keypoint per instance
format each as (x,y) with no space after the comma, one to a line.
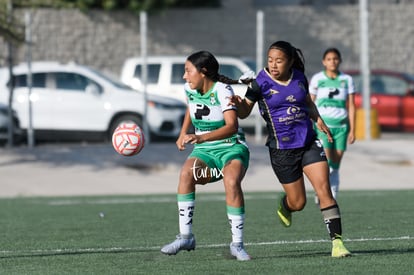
(283,106)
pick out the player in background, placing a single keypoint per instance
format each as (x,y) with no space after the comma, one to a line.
(333,93)
(220,151)
(281,90)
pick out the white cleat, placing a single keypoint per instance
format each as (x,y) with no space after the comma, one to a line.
(180,243)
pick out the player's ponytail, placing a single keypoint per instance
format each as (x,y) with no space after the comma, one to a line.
(227,80)
(299,61)
(206,63)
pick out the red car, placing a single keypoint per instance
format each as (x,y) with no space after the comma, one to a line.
(392,95)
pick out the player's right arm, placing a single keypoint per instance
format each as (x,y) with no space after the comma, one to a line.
(245,105)
(184,130)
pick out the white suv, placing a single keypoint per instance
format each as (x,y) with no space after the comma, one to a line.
(165,77)
(75,99)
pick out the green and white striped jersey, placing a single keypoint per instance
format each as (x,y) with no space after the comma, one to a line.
(206,112)
(331,97)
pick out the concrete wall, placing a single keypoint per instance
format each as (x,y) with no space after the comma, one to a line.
(104,40)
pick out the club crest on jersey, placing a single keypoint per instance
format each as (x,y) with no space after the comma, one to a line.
(291,98)
(212,99)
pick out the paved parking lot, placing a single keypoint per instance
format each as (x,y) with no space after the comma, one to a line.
(96,169)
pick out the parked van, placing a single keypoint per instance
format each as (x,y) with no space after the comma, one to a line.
(165,77)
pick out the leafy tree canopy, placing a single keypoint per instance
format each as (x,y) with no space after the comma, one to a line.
(12,29)
(131,5)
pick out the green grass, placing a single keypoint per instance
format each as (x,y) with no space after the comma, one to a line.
(68,236)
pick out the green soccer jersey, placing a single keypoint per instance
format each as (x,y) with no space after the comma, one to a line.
(206,112)
(331,96)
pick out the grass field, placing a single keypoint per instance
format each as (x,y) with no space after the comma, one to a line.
(123,235)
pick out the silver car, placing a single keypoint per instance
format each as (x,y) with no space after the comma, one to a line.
(71,101)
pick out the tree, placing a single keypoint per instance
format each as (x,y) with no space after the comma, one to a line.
(12,29)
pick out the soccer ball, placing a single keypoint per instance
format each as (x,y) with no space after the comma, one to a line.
(128,139)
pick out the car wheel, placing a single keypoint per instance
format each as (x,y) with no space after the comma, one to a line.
(124,119)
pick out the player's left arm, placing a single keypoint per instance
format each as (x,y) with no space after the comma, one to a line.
(315,116)
(351,118)
(231,123)
(227,130)
(351,110)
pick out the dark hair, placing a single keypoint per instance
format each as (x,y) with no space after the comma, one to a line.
(332,50)
(292,54)
(206,63)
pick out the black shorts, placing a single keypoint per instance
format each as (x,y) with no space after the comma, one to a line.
(288,163)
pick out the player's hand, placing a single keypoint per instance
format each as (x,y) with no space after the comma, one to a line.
(192,139)
(235,100)
(351,138)
(180,143)
(320,124)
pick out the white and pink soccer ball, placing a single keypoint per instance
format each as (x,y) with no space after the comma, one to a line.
(128,139)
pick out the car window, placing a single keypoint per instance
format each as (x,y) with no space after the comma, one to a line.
(391,85)
(38,80)
(230,71)
(177,73)
(71,81)
(383,84)
(377,84)
(153,72)
(357,82)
